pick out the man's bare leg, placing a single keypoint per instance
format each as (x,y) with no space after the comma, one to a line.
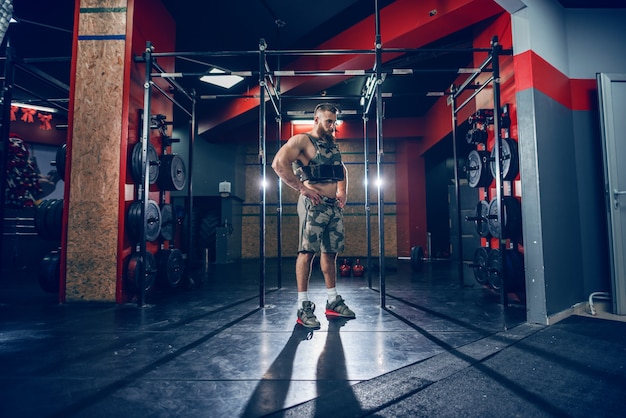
(306,308)
(335,306)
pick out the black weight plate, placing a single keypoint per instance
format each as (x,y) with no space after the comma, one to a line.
(510,159)
(476,136)
(133,268)
(477,173)
(54,217)
(171,267)
(513,160)
(509,270)
(481,256)
(40,218)
(494,269)
(482,224)
(49,272)
(516,263)
(168,223)
(60,158)
(512,218)
(152,220)
(172,174)
(153,162)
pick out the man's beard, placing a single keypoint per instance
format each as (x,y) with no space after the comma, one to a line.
(328,136)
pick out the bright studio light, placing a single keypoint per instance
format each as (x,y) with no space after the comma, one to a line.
(379,183)
(226,80)
(310,122)
(35,107)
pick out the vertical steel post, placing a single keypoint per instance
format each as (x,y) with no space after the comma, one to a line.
(457,189)
(495,66)
(379,172)
(193,133)
(368,212)
(145,168)
(7,97)
(262,163)
(279,211)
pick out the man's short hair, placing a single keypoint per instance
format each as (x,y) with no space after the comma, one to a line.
(326,107)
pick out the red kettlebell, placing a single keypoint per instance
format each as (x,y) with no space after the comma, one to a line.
(358,269)
(345,269)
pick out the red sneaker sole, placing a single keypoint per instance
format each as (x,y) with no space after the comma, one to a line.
(337,314)
(299,322)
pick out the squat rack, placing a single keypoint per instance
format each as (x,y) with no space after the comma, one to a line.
(492,59)
(269,92)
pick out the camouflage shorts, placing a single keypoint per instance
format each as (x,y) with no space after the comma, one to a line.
(321,226)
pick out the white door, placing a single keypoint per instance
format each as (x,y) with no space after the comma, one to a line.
(612,98)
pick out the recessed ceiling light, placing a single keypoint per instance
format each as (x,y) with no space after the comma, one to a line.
(220,78)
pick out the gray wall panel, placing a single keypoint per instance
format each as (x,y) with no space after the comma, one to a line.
(558,183)
(531,213)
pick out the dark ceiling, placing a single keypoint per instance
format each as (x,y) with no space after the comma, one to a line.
(42,42)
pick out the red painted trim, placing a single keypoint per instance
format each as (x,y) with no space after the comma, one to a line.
(128,54)
(532,71)
(68,158)
(584,94)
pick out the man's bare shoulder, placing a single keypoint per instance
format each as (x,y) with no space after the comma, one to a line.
(299,139)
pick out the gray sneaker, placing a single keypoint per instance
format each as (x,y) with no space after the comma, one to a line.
(306,317)
(338,309)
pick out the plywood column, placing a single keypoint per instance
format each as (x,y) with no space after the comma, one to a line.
(96,132)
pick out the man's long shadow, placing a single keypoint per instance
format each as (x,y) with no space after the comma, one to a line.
(334,391)
(271,392)
(332,377)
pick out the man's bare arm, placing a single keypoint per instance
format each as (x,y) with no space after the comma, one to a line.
(281,164)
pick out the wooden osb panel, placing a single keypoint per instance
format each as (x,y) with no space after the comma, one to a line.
(95,156)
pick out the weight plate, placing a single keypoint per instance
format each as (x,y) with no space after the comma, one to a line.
(172,174)
(132,272)
(516,263)
(482,222)
(494,269)
(476,136)
(152,220)
(513,267)
(481,256)
(168,223)
(477,173)
(510,159)
(49,272)
(153,162)
(512,218)
(40,218)
(54,217)
(171,267)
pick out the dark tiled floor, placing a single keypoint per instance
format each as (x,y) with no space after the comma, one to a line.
(436,349)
